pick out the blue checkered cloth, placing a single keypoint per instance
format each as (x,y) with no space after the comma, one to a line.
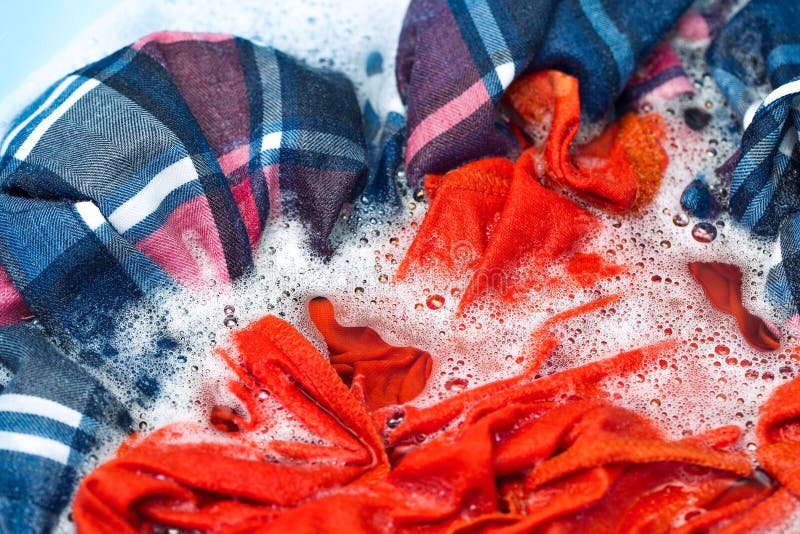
(51,412)
(386,137)
(761,46)
(114,178)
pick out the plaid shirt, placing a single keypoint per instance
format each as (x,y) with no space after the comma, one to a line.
(51,412)
(116,173)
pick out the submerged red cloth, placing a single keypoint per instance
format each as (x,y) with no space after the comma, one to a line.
(494,228)
(551,454)
(378,373)
(487,223)
(722,284)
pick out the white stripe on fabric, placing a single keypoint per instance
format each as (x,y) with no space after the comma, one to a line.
(46,104)
(25,149)
(34,445)
(29,404)
(749,114)
(271,141)
(150,197)
(783,90)
(491,36)
(90,214)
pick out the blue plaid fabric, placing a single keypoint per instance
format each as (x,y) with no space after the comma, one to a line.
(761,45)
(51,412)
(386,136)
(113,179)
(456,57)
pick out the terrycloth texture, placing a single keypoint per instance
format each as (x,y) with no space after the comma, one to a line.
(378,374)
(761,45)
(115,177)
(455,59)
(479,237)
(51,413)
(513,457)
(779,445)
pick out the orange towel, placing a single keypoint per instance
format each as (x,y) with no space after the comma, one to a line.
(619,169)
(495,229)
(549,454)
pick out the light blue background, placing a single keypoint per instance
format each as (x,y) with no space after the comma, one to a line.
(33,31)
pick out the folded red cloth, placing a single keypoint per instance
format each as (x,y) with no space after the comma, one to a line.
(550,453)
(495,230)
(617,170)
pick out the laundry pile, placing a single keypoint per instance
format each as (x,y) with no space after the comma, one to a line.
(159,168)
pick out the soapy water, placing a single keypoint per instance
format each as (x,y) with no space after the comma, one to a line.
(714,377)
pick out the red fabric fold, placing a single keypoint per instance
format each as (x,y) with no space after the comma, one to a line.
(464,207)
(184,476)
(550,454)
(618,170)
(494,230)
